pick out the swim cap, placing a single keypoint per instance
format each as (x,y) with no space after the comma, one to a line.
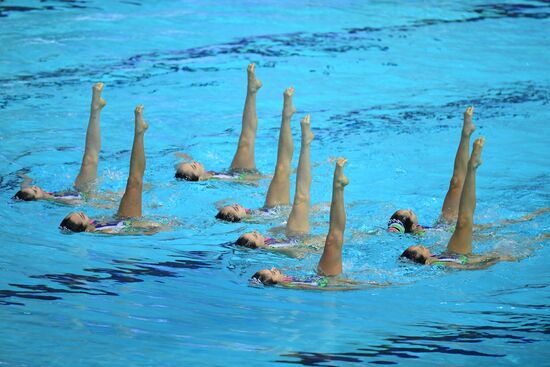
(395,225)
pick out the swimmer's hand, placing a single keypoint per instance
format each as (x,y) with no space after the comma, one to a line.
(186,157)
(27,181)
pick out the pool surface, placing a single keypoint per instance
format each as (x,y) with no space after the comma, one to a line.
(386,84)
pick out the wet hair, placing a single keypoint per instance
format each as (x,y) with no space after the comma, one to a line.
(228,217)
(262,278)
(414,255)
(406,220)
(24,195)
(186,176)
(67,223)
(243,241)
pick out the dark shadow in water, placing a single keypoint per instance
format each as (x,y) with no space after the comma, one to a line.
(125,271)
(483,12)
(396,119)
(440,339)
(5,10)
(271,48)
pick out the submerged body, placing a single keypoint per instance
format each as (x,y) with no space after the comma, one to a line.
(243,166)
(406,221)
(87,176)
(278,193)
(330,263)
(131,202)
(459,249)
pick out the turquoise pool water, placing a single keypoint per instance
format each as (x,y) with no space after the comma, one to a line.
(386,84)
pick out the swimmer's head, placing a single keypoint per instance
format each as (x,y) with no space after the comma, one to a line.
(405,218)
(76,222)
(251,240)
(418,254)
(30,193)
(269,277)
(192,171)
(232,213)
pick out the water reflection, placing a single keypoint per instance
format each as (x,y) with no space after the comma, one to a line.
(124,271)
(440,338)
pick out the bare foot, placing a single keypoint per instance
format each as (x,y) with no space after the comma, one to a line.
(307,135)
(288,107)
(475,159)
(97,102)
(141,125)
(340,180)
(468,127)
(253,83)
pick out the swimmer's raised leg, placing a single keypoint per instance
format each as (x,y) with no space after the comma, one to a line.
(279,188)
(298,220)
(88,169)
(331,260)
(461,240)
(130,204)
(449,210)
(244,157)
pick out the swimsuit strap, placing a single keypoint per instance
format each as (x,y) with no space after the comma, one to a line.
(275,243)
(316,281)
(111,225)
(222,175)
(443,260)
(66,195)
(270,241)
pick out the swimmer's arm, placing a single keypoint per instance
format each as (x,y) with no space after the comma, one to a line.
(527,217)
(300,251)
(145,224)
(27,181)
(184,157)
(507,222)
(291,251)
(340,285)
(480,262)
(246,177)
(149,228)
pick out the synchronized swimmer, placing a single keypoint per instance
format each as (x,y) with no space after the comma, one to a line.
(243,165)
(458,206)
(406,221)
(86,179)
(129,209)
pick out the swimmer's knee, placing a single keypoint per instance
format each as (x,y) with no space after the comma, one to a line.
(456,182)
(134,183)
(90,160)
(465,221)
(301,199)
(335,238)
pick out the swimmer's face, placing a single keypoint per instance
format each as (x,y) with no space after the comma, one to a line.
(421,250)
(232,213)
(418,254)
(193,171)
(33,193)
(76,222)
(408,213)
(252,240)
(409,219)
(270,276)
